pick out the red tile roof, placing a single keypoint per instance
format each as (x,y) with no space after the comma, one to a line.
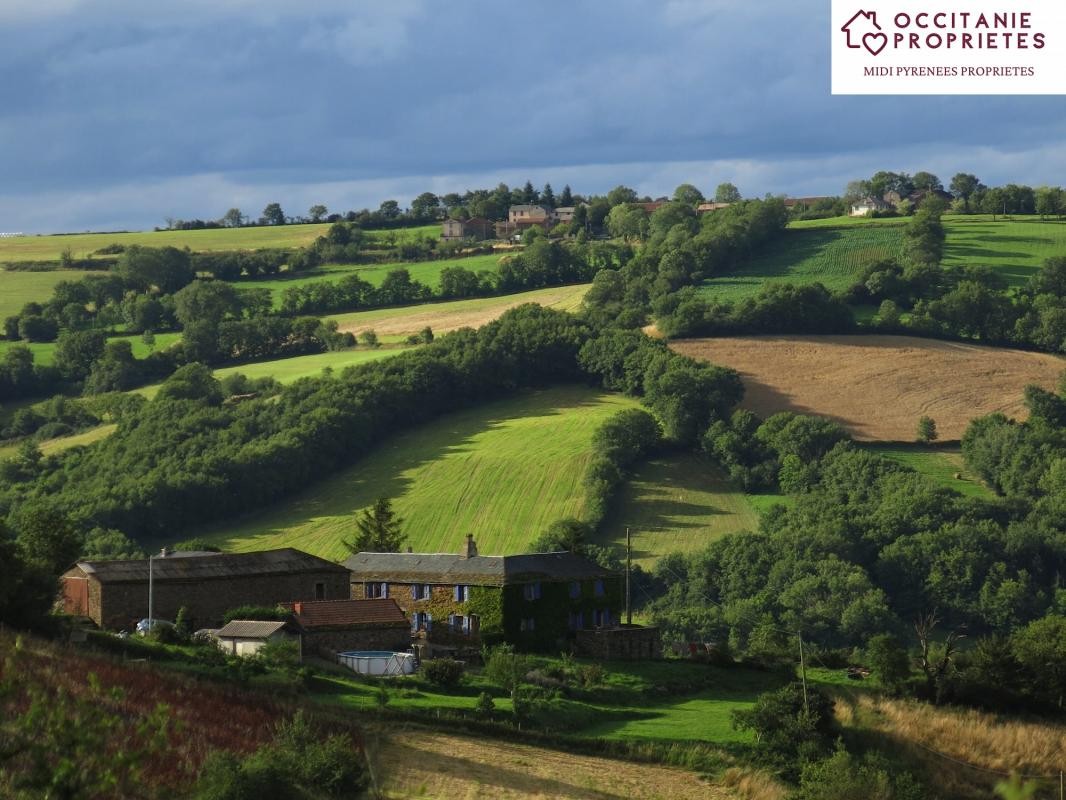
(319,614)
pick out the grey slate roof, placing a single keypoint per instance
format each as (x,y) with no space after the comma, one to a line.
(477,571)
(206,566)
(250,629)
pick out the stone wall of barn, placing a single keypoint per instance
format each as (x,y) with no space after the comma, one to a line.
(327,643)
(120,605)
(624,643)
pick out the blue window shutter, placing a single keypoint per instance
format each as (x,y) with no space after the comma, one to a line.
(427,591)
(456,593)
(538,590)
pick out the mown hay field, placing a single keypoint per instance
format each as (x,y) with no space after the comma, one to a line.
(394,324)
(878,387)
(503,471)
(440,765)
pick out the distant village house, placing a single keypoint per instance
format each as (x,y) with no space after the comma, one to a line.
(477,228)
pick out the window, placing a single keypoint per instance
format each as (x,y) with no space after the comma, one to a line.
(320,591)
(473,624)
(529,624)
(457,623)
(575,590)
(531,591)
(601,619)
(462,594)
(577,620)
(421,591)
(599,587)
(377,590)
(421,621)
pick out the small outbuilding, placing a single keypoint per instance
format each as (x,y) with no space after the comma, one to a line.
(245,637)
(336,626)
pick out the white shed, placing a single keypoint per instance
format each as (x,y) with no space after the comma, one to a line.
(243,637)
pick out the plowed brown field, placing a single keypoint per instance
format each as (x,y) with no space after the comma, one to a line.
(879,386)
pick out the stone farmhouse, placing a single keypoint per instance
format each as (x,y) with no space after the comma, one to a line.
(536,601)
(478,228)
(114,594)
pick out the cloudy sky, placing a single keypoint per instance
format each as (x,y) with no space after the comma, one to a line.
(116,115)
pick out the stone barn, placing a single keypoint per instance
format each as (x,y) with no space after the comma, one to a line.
(114,594)
(333,626)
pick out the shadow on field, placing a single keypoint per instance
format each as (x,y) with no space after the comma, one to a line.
(780,257)
(324,512)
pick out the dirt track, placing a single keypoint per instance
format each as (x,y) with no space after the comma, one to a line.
(878,386)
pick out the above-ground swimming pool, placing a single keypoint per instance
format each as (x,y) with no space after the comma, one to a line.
(378,662)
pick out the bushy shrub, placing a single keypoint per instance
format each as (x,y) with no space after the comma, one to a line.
(299,763)
(485,706)
(445,672)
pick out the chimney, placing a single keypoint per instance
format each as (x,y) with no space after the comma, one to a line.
(470,550)
(164,552)
(298,608)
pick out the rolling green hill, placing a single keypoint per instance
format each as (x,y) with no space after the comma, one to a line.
(81,245)
(503,471)
(834,252)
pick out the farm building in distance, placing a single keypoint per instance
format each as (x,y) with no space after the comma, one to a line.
(536,601)
(333,626)
(861,208)
(114,594)
(453,230)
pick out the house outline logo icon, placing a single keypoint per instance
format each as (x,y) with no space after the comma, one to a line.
(872,38)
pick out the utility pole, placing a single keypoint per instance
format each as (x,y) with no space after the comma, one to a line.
(629,565)
(151,597)
(803,676)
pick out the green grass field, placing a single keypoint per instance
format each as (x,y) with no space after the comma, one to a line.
(427,272)
(288,370)
(50,248)
(939,464)
(19,288)
(44,352)
(835,251)
(640,701)
(504,471)
(677,503)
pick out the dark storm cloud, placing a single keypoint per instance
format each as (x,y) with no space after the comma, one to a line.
(118,114)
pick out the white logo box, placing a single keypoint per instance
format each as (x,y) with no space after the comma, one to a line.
(966,47)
